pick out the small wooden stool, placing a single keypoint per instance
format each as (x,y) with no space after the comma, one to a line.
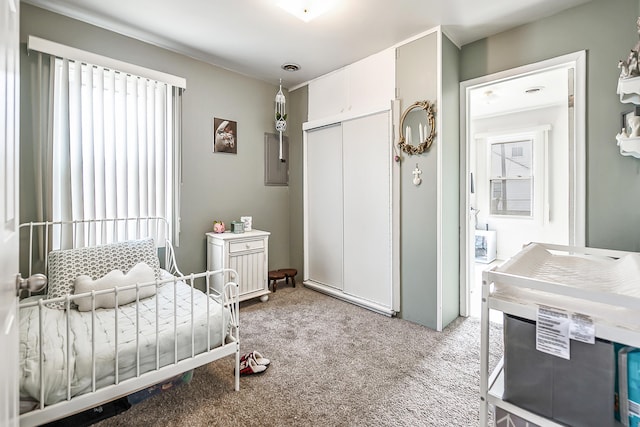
(289,273)
(274,276)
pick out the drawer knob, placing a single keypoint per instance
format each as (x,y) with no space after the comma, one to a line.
(248,246)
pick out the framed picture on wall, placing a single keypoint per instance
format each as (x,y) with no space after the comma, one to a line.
(625,119)
(225,136)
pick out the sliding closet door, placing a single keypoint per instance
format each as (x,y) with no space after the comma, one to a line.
(367,208)
(324,205)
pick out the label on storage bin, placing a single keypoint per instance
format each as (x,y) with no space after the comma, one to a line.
(634,414)
(552,332)
(582,328)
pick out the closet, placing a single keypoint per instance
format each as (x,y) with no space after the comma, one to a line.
(348,210)
(348,164)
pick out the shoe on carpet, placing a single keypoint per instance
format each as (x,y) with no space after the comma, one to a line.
(257,357)
(250,367)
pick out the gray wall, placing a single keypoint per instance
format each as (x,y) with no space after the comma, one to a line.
(450,141)
(215,186)
(416,80)
(607,30)
(297,105)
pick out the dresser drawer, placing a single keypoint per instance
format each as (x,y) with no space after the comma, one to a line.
(248,245)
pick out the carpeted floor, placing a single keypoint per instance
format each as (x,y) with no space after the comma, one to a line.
(332,364)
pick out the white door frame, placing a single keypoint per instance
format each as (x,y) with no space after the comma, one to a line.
(577,155)
(9,211)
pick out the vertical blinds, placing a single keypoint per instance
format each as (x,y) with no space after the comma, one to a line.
(113,138)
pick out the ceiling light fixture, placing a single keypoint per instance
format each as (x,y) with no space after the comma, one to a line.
(306,9)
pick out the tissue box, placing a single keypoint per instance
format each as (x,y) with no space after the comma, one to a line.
(237,227)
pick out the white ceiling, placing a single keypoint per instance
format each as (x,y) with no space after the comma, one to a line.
(516,94)
(255,37)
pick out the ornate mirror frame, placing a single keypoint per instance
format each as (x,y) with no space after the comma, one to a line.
(429,108)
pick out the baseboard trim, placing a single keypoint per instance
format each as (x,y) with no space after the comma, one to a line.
(336,293)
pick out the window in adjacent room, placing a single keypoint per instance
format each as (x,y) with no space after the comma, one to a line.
(511,178)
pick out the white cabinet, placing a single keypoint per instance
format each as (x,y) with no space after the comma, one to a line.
(364,86)
(248,254)
(328,95)
(348,184)
(575,280)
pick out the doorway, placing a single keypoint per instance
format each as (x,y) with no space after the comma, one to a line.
(522,163)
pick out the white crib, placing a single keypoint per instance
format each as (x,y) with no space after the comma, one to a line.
(129,336)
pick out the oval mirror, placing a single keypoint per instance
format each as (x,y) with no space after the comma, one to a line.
(417,123)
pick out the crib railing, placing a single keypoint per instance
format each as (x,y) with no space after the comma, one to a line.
(38,239)
(43,237)
(98,395)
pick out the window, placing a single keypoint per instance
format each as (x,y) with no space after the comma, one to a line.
(511,179)
(113,147)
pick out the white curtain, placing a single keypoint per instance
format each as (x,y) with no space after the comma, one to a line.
(42,99)
(113,146)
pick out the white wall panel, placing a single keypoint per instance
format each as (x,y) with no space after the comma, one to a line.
(324,205)
(371,82)
(328,95)
(367,208)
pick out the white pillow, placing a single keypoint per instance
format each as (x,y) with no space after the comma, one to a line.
(139,273)
(96,261)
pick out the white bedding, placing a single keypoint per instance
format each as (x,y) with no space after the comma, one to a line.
(55,342)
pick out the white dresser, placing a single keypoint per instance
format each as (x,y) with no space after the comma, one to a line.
(248,254)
